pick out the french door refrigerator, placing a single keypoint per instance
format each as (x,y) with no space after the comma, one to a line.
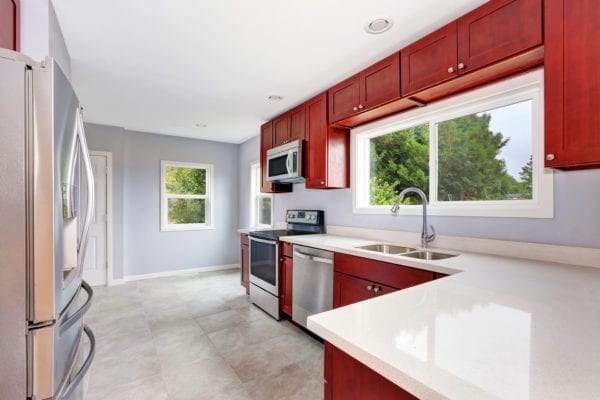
(46,208)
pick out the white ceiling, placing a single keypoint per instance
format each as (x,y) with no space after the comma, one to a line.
(163,66)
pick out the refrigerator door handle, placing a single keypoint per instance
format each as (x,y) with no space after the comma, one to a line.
(65,390)
(76,316)
(87,162)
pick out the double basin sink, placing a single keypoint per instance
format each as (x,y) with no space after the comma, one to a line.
(406,251)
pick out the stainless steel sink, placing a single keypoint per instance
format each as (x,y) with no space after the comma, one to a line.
(386,248)
(429,255)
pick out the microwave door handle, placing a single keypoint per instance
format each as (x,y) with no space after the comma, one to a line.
(87,163)
(288,162)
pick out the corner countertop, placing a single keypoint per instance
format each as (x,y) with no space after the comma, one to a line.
(497,328)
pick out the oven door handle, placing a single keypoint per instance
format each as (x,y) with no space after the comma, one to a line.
(313,258)
(273,242)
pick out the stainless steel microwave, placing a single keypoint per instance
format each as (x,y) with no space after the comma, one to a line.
(284,163)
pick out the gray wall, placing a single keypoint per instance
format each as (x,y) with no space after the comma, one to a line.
(576,219)
(248,154)
(41,34)
(139,246)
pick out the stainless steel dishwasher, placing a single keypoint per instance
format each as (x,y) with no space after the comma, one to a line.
(312,283)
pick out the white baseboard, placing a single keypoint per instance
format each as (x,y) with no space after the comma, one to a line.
(131,278)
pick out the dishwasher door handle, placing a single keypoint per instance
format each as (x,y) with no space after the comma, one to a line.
(313,258)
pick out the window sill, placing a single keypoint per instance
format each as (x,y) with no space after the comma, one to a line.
(183,228)
(520,211)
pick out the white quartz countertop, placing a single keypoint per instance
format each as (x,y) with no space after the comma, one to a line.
(498,328)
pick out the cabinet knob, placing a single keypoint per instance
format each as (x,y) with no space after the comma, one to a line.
(355,108)
(376,289)
(322,182)
(461,66)
(370,287)
(360,106)
(450,70)
(549,157)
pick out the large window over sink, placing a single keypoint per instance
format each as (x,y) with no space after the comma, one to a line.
(477,154)
(186,196)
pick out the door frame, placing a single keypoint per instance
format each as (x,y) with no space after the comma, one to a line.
(109,214)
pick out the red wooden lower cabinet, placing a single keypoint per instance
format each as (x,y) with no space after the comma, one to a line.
(348,379)
(286,282)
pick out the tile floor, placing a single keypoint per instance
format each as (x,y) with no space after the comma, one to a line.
(196,337)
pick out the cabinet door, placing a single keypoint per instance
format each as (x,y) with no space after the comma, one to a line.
(297,123)
(380,83)
(281,129)
(430,60)
(349,290)
(351,379)
(572,83)
(245,266)
(286,281)
(266,142)
(327,157)
(9,24)
(316,142)
(344,99)
(497,30)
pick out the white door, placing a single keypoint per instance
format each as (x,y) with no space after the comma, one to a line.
(95,263)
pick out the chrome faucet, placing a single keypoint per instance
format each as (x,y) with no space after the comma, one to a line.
(425,236)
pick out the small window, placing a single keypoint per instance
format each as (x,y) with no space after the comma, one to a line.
(477,154)
(186,196)
(261,203)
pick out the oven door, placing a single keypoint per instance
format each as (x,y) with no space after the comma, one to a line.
(263,264)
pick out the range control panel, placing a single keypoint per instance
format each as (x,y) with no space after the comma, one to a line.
(311,217)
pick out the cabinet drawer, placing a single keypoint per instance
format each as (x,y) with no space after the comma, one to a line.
(287,249)
(397,276)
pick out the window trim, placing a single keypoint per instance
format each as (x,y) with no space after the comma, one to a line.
(255,195)
(520,88)
(209,212)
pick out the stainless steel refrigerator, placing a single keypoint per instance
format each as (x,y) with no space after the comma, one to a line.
(46,208)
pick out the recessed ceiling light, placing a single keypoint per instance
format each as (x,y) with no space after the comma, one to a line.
(275,97)
(201,125)
(378,25)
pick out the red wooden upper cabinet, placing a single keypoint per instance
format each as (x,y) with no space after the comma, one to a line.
(430,60)
(572,83)
(497,30)
(327,149)
(9,24)
(266,142)
(297,123)
(376,85)
(281,129)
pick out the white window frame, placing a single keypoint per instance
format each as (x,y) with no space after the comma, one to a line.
(164,209)
(528,86)
(256,195)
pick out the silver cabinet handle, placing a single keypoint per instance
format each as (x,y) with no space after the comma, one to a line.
(360,106)
(68,391)
(87,161)
(376,289)
(461,66)
(370,287)
(355,108)
(313,258)
(549,157)
(450,70)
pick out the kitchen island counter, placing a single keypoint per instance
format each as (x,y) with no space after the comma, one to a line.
(497,328)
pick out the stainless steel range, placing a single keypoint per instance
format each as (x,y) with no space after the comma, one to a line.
(264,257)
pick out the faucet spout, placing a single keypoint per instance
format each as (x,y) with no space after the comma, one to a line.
(426,237)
